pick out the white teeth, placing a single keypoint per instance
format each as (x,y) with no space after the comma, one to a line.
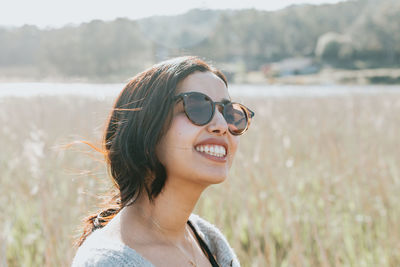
(222,150)
(214,150)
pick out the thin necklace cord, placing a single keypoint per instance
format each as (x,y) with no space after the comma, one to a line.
(160,229)
(204,246)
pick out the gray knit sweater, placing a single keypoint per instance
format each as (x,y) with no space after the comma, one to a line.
(100,251)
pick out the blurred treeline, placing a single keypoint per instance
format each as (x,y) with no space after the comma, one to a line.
(354,34)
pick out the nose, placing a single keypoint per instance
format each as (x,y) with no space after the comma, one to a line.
(218,124)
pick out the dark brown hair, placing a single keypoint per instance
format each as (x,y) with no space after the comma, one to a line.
(139,118)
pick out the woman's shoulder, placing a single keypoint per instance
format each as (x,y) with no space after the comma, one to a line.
(207,229)
(215,240)
(99,251)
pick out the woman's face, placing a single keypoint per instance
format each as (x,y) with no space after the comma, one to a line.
(185,148)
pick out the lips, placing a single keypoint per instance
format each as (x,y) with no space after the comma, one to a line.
(213,148)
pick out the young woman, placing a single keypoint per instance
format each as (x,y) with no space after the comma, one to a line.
(173,131)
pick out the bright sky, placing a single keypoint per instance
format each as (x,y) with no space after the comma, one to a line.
(56,13)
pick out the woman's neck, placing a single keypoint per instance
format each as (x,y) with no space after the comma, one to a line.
(169,211)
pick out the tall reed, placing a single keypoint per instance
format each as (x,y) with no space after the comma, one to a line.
(316,181)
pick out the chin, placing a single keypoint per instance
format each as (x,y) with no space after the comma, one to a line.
(214,179)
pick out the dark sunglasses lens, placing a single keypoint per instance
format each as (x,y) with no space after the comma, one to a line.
(236,118)
(198,108)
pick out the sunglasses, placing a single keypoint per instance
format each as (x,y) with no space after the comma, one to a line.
(200,109)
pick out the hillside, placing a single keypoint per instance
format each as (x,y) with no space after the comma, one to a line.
(353,35)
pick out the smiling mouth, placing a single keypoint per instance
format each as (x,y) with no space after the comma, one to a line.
(212,150)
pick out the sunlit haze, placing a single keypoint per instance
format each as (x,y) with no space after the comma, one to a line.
(50,13)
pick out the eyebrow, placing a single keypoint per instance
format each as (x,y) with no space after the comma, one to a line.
(222,100)
(225,100)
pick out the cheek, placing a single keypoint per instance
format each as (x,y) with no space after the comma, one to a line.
(182,132)
(180,136)
(234,145)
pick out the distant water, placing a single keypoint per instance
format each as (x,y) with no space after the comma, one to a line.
(102,91)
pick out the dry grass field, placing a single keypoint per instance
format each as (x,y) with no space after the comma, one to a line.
(316,181)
